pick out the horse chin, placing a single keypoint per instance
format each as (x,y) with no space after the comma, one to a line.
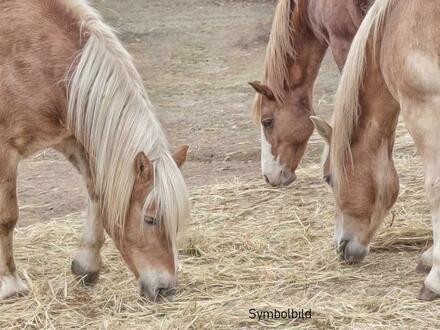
(284,178)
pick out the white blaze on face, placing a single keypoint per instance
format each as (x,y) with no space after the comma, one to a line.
(270,166)
(339,227)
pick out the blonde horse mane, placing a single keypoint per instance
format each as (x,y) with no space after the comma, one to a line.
(280,50)
(347,107)
(110,114)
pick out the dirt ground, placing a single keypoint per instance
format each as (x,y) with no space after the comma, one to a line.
(196,57)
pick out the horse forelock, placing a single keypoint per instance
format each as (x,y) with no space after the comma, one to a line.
(256,108)
(290,16)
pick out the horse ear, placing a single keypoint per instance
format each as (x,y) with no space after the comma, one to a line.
(180,154)
(322,127)
(262,89)
(142,167)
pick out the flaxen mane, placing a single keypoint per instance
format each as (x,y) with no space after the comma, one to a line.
(111,115)
(280,53)
(347,107)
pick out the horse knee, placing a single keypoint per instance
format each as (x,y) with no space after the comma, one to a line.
(7,224)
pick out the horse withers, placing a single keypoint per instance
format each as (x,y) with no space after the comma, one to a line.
(66,82)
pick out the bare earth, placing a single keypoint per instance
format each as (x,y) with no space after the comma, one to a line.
(196,57)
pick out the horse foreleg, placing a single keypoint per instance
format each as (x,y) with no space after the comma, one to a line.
(10,284)
(425,263)
(421,119)
(431,287)
(339,46)
(87,261)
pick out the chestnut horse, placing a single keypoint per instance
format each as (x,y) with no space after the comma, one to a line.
(302,31)
(393,66)
(67,83)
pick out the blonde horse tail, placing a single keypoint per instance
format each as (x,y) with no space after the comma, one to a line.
(347,107)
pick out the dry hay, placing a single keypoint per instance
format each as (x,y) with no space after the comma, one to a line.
(249,247)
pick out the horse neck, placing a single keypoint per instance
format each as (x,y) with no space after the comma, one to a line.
(303,71)
(379,110)
(373,142)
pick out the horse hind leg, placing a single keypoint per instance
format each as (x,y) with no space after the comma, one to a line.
(10,284)
(87,261)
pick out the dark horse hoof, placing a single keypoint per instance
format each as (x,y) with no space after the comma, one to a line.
(427,295)
(87,278)
(421,268)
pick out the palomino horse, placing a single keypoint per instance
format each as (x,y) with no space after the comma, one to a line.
(302,31)
(393,66)
(67,83)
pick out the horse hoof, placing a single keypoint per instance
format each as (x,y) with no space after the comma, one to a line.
(14,295)
(13,288)
(427,295)
(422,268)
(87,278)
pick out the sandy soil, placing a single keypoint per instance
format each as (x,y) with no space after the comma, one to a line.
(196,57)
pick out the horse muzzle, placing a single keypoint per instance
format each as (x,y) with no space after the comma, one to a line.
(157,286)
(284,178)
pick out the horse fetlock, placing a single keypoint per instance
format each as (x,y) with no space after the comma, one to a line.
(423,267)
(425,264)
(11,286)
(87,275)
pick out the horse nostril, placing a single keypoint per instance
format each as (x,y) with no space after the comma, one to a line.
(169,293)
(266,178)
(156,289)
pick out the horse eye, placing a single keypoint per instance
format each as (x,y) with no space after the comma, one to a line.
(150,220)
(268,123)
(328,179)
